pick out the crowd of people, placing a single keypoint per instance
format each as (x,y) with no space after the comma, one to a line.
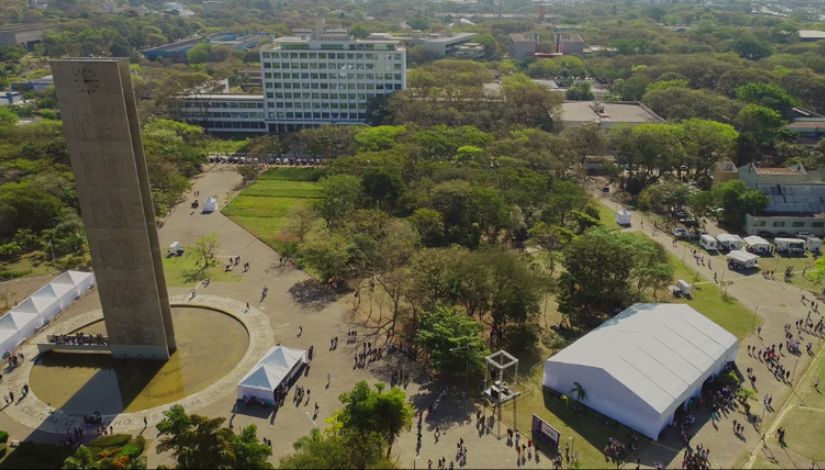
(79,339)
(367,356)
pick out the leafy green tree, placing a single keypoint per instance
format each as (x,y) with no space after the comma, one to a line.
(632,88)
(344,449)
(605,271)
(736,200)
(579,92)
(377,137)
(707,142)
(768,95)
(330,255)
(81,460)
(565,67)
(452,341)
(430,226)
(469,211)
(340,195)
(762,125)
(195,441)
(383,186)
(529,104)
(660,197)
(248,451)
(7,117)
(199,54)
(750,47)
(683,103)
(385,412)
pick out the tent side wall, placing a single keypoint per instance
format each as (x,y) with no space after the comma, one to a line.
(605,395)
(696,388)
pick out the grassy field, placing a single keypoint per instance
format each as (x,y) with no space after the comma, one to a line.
(589,430)
(30,264)
(607,215)
(709,300)
(264,207)
(805,433)
(181,271)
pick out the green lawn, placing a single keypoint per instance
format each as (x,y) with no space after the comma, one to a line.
(264,207)
(181,271)
(590,431)
(607,215)
(30,264)
(709,300)
(805,433)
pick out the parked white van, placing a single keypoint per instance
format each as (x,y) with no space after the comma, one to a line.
(708,242)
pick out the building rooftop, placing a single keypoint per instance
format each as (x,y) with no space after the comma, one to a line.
(727,166)
(811,34)
(598,112)
(521,37)
(794,199)
(779,170)
(812,123)
(17,28)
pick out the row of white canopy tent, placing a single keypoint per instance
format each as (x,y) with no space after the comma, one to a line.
(22,321)
(279,365)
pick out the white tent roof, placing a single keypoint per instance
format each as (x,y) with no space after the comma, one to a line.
(756,240)
(273,368)
(623,212)
(14,320)
(728,238)
(742,256)
(657,351)
(78,276)
(62,285)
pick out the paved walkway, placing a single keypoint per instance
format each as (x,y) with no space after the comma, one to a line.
(294,300)
(777,304)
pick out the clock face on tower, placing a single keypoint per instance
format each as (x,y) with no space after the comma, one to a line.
(86,81)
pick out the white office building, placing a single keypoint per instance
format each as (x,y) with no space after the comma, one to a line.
(217,112)
(327,78)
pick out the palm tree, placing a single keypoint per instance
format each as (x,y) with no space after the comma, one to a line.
(578,392)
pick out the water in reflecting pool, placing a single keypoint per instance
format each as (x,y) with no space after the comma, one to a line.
(209,343)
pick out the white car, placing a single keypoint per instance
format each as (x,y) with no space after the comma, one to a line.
(679,232)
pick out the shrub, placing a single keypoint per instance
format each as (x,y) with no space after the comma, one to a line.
(4,436)
(134,448)
(114,440)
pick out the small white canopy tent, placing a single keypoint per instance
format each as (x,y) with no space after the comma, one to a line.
(623,217)
(279,364)
(743,258)
(23,320)
(16,327)
(729,241)
(757,244)
(210,204)
(642,364)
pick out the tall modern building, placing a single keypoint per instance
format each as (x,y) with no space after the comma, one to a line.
(312,78)
(327,78)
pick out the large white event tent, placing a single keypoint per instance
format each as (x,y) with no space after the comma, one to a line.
(25,318)
(643,364)
(278,365)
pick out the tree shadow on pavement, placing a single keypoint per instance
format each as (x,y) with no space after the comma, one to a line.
(314,295)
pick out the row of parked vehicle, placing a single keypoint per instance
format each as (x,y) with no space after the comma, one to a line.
(243,158)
